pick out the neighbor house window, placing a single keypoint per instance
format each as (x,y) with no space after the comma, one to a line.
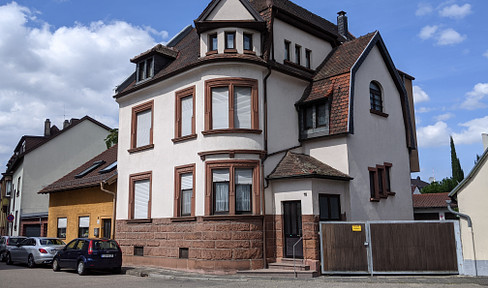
(18,187)
(380,181)
(298,54)
(212,42)
(185,114)
(247,42)
(83,226)
(140,196)
(145,69)
(287,50)
(308,58)
(8,188)
(231,105)
(184,190)
(375,97)
(142,123)
(329,207)
(232,187)
(230,41)
(62,224)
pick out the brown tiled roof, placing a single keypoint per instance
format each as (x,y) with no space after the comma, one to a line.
(158,49)
(70,182)
(294,165)
(430,200)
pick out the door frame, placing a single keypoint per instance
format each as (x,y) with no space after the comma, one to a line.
(299,226)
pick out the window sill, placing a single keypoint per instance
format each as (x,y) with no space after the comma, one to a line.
(250,52)
(379,113)
(230,131)
(213,52)
(184,219)
(142,148)
(234,51)
(374,200)
(184,138)
(390,193)
(139,221)
(230,217)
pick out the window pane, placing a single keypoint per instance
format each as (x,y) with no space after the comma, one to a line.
(308,117)
(84,222)
(186,115)
(62,222)
(380,181)
(141,199)
(324,207)
(229,40)
(335,208)
(220,175)
(248,42)
(186,181)
(143,128)
(186,202)
(149,68)
(141,71)
(242,103)
(243,180)
(213,42)
(221,189)
(372,184)
(322,114)
(220,108)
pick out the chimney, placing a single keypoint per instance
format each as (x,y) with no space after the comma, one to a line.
(484,138)
(65,124)
(342,24)
(47,128)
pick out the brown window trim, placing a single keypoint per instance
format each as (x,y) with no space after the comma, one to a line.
(184,219)
(190,168)
(138,221)
(376,197)
(230,217)
(379,113)
(249,52)
(381,169)
(230,51)
(132,179)
(179,95)
(135,110)
(142,148)
(210,43)
(231,153)
(231,83)
(184,138)
(386,171)
(232,165)
(213,52)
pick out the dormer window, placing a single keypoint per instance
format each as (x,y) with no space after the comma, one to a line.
(308,58)
(298,53)
(314,119)
(145,69)
(230,41)
(247,42)
(212,43)
(287,50)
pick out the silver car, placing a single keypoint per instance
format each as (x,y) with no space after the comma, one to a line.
(35,250)
(7,242)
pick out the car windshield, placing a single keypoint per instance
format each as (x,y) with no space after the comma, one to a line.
(105,245)
(47,242)
(14,241)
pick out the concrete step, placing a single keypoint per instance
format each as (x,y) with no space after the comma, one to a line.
(298,266)
(278,273)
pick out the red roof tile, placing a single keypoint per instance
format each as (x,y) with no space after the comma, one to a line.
(430,200)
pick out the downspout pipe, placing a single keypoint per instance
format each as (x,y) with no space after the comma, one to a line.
(470,225)
(113,206)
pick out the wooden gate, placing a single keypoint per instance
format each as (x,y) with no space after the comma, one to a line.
(400,247)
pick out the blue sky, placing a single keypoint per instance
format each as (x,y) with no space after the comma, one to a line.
(62,59)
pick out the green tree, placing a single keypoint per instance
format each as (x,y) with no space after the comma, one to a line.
(445,185)
(112,138)
(457,171)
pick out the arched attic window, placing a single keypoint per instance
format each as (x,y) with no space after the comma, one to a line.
(375,97)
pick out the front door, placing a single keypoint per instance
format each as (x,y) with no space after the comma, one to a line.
(107,228)
(292,221)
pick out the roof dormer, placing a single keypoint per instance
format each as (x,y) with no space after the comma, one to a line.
(152,61)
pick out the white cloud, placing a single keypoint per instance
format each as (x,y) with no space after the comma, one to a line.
(486,54)
(428,32)
(423,110)
(433,135)
(475,96)
(423,9)
(68,71)
(444,117)
(419,95)
(472,132)
(455,11)
(450,37)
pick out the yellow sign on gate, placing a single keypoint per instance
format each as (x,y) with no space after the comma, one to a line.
(356,228)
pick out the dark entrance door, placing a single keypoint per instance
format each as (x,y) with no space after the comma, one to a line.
(292,214)
(32,230)
(107,228)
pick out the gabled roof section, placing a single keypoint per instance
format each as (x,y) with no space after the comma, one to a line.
(91,179)
(472,174)
(295,165)
(430,200)
(215,4)
(159,49)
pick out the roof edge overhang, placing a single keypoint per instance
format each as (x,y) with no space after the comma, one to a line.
(212,5)
(311,176)
(204,26)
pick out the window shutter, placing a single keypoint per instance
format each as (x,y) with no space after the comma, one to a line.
(84,222)
(143,128)
(243,176)
(186,115)
(62,222)
(186,181)
(220,108)
(242,106)
(141,199)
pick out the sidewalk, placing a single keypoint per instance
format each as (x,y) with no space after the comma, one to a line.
(395,279)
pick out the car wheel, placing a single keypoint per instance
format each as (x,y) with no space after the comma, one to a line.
(117,270)
(2,257)
(56,267)
(81,268)
(9,259)
(30,262)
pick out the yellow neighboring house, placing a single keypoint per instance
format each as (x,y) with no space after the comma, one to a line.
(81,204)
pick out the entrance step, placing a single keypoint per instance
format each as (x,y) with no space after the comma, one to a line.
(289,265)
(278,273)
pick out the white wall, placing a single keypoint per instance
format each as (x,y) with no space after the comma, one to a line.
(376,140)
(282,30)
(229,10)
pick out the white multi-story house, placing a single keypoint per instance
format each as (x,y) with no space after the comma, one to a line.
(40,160)
(239,135)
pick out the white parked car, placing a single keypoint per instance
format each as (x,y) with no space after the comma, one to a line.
(35,250)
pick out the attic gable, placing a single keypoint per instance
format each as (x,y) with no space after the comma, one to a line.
(229,10)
